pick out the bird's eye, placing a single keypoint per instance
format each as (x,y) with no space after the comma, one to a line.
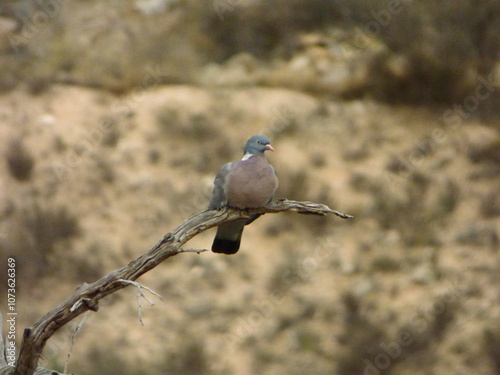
(258,142)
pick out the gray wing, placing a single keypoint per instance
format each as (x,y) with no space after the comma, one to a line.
(219,196)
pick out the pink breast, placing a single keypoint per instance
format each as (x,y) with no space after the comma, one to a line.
(252,184)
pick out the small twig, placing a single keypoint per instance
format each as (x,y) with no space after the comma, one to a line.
(76,305)
(139,306)
(88,302)
(73,336)
(139,286)
(141,294)
(341,214)
(197,251)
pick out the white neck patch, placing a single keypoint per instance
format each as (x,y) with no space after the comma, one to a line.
(247,156)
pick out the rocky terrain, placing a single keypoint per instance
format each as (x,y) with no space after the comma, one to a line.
(97,167)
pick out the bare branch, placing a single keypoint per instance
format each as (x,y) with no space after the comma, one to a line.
(87,296)
(197,251)
(139,286)
(140,294)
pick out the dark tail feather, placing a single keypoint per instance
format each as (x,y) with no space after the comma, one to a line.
(228,237)
(222,246)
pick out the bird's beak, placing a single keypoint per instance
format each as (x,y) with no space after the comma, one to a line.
(269,147)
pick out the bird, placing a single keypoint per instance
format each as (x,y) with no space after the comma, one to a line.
(247,183)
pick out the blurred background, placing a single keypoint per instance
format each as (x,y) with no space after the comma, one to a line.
(116,115)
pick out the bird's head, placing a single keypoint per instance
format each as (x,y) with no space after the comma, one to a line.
(257,145)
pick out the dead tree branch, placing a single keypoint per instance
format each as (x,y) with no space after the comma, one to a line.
(87,296)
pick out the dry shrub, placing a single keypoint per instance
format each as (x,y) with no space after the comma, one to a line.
(488,153)
(435,51)
(492,346)
(37,230)
(19,160)
(419,208)
(203,131)
(490,204)
(365,339)
(359,338)
(446,47)
(270,26)
(9,72)
(124,49)
(190,358)
(105,361)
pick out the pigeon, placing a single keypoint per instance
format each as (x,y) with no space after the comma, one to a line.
(247,183)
